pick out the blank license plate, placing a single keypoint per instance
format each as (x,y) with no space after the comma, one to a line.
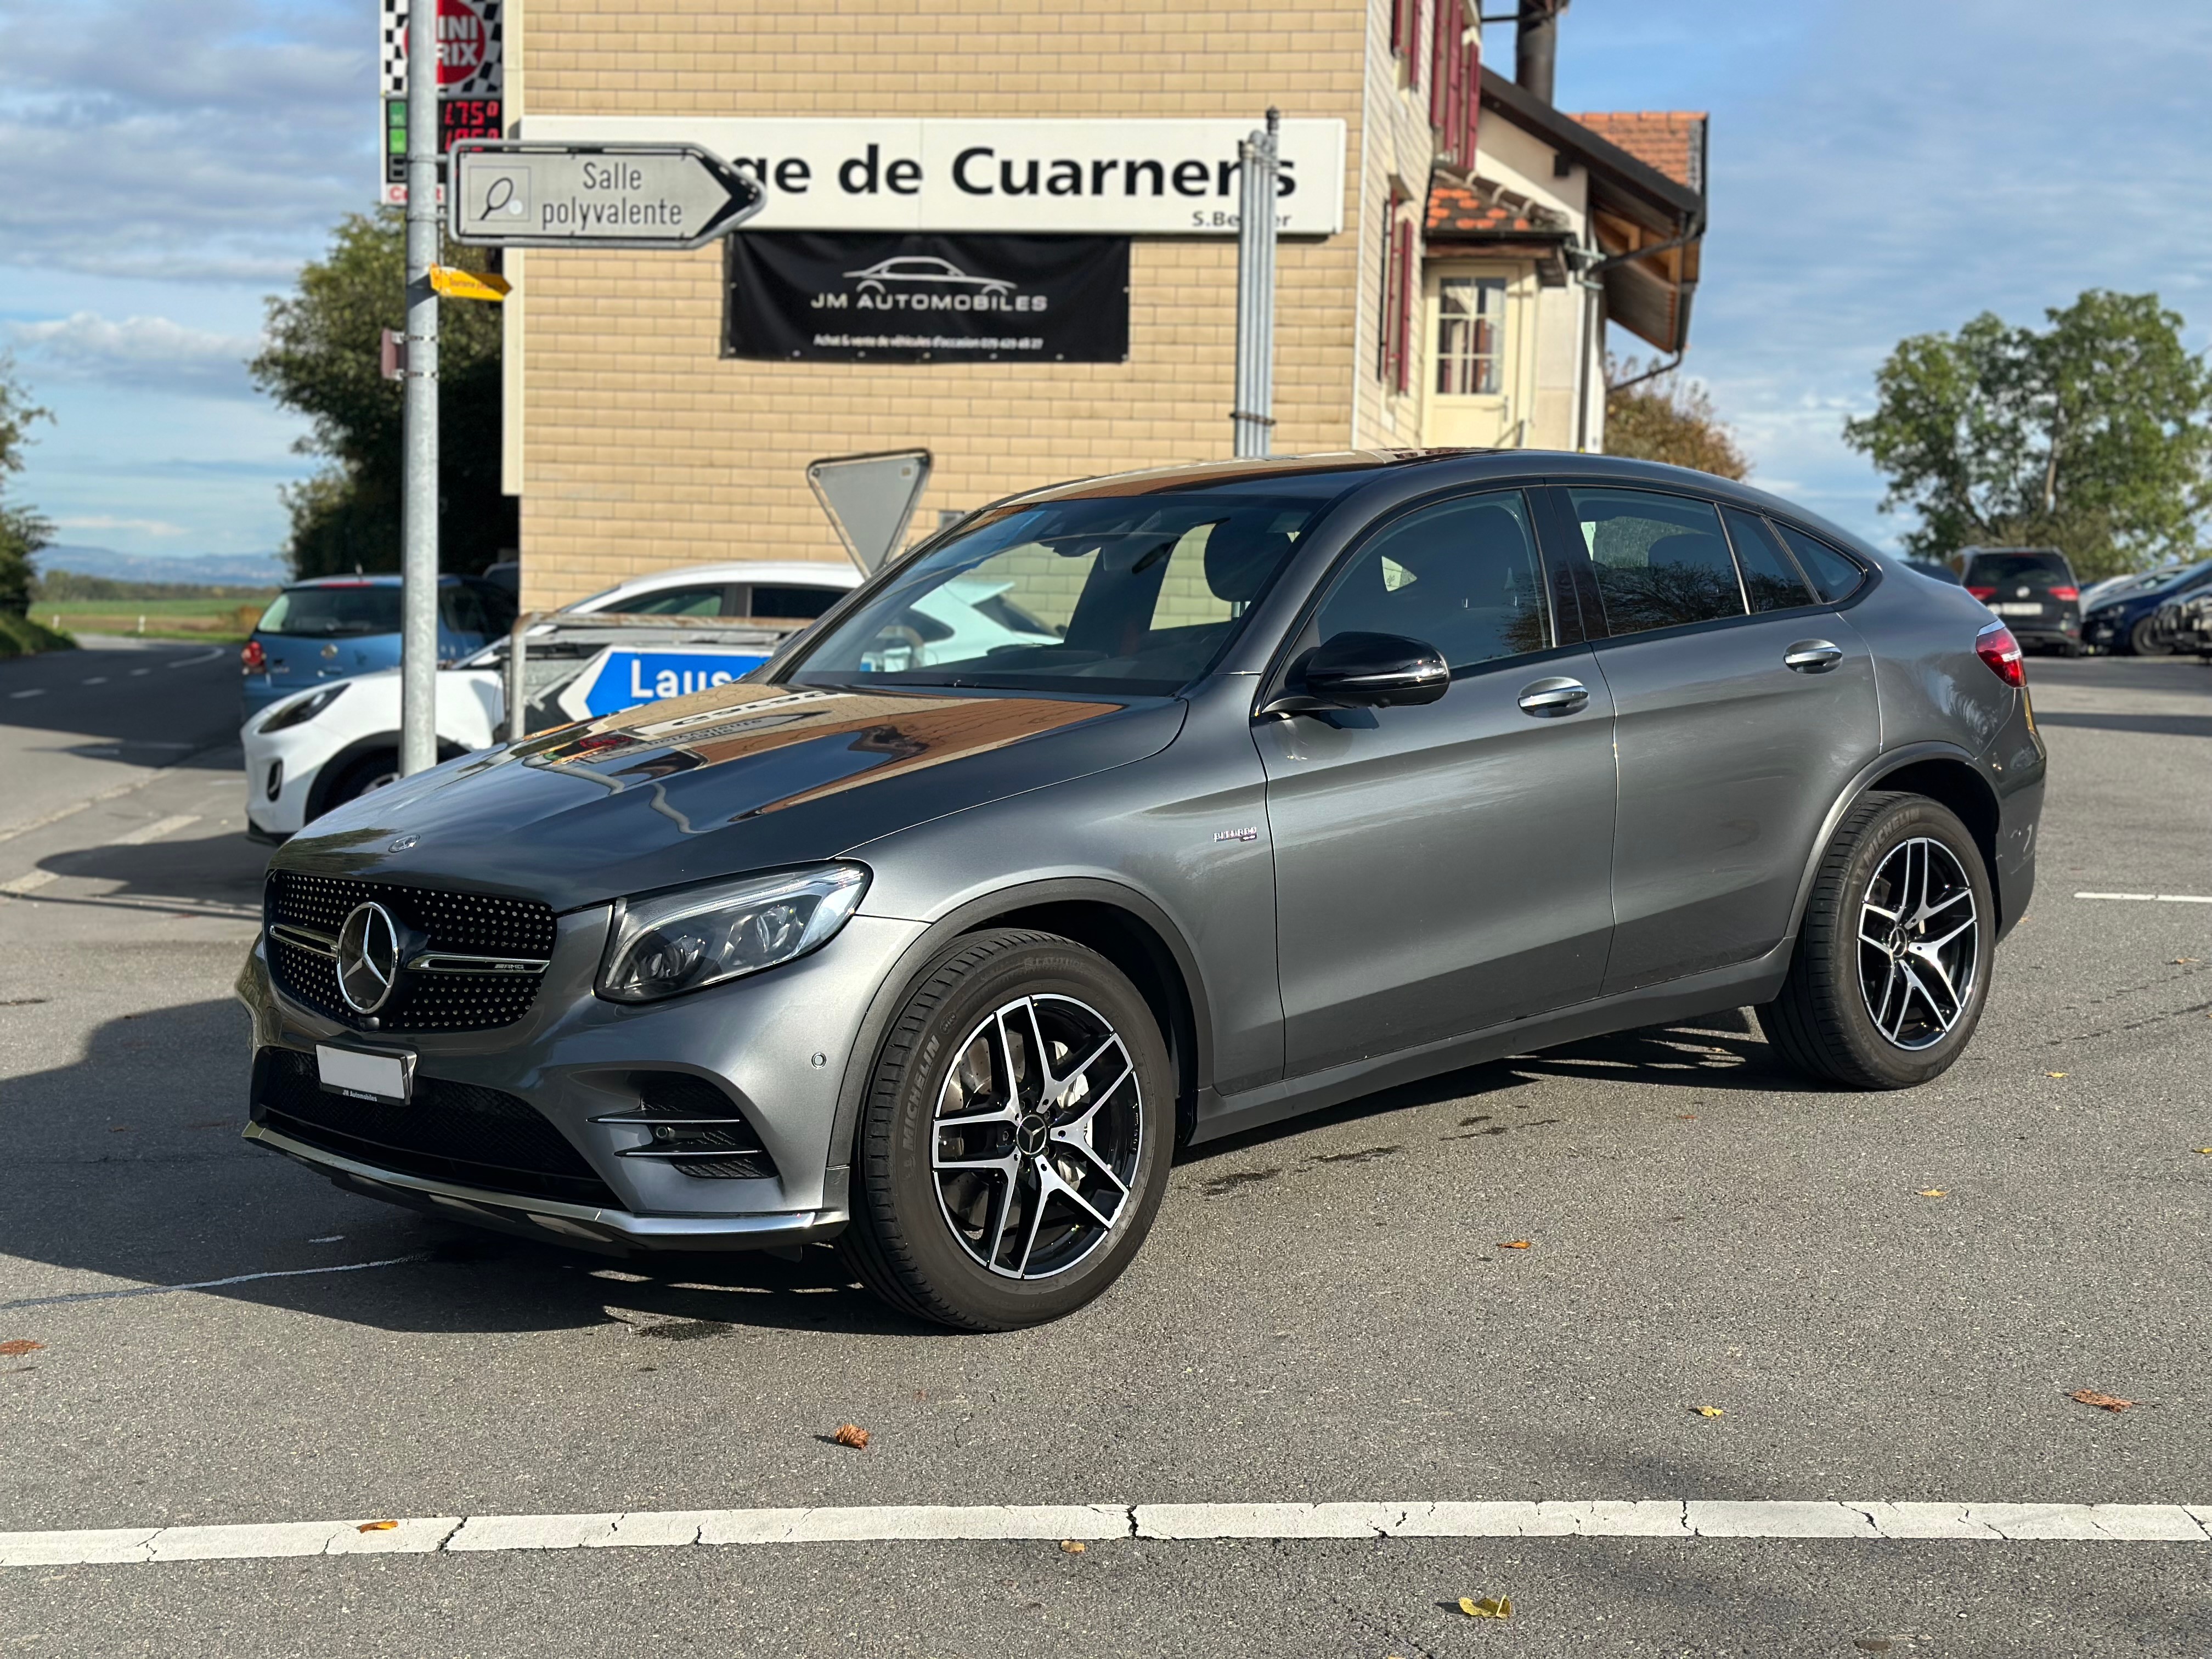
(366,1076)
(2017,610)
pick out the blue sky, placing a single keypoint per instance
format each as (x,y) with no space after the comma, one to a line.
(1878,168)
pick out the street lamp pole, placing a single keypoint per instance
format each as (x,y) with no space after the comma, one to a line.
(1253,418)
(418,514)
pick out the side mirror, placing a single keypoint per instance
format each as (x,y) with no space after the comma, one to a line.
(1367,671)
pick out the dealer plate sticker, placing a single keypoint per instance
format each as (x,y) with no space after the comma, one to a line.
(366,1076)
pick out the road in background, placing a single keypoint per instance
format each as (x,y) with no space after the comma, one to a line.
(1888,1296)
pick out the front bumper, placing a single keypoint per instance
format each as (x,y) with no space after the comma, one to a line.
(575,1058)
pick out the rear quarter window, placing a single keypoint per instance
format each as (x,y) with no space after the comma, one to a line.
(1835,575)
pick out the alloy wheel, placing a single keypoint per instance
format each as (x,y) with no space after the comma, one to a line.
(1919,944)
(1037,1137)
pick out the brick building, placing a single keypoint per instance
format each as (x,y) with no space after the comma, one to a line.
(1444,278)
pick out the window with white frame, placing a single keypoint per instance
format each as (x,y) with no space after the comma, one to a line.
(1470,336)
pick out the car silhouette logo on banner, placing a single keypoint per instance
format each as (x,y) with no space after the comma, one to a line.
(922,268)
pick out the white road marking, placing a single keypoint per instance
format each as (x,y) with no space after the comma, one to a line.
(1697,1518)
(204,656)
(204,1283)
(97,679)
(155,830)
(28,884)
(74,807)
(136,673)
(2151,898)
(35,691)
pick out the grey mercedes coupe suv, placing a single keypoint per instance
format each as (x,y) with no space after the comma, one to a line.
(1311,776)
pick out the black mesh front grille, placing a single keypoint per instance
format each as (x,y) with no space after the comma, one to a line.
(475,924)
(471,924)
(455,1131)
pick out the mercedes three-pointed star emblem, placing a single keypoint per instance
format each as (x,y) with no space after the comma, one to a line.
(368,958)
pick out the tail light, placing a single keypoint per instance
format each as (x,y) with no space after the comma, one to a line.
(1996,646)
(1981,592)
(2065,592)
(253,660)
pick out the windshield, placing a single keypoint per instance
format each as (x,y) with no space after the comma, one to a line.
(323,612)
(1127,595)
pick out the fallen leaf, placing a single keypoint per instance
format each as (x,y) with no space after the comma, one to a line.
(1710,1410)
(1072,1546)
(1934,1191)
(378,1525)
(1686,1117)
(2187,961)
(2103,1402)
(851,1434)
(1491,1606)
(1515,1245)
(2204,1148)
(19,1344)
(2057,1074)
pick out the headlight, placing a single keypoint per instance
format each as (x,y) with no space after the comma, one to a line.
(681,941)
(304,709)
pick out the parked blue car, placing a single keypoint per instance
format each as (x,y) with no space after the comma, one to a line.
(337,626)
(2125,620)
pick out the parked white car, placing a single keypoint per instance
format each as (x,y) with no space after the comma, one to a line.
(314,751)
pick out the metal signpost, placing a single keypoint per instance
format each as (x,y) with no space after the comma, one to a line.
(519,194)
(1253,418)
(418,509)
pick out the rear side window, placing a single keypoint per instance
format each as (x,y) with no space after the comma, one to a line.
(324,613)
(793,603)
(1660,561)
(1770,581)
(2041,571)
(1835,576)
(1461,576)
(675,602)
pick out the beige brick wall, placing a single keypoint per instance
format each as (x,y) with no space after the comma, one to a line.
(643,448)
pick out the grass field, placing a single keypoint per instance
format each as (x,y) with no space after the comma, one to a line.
(215,621)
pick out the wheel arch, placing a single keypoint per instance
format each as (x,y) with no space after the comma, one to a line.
(1945,774)
(1118,922)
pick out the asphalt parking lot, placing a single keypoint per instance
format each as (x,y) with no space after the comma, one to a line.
(1885,1299)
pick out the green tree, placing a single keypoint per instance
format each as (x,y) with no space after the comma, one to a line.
(22,531)
(1663,417)
(322,358)
(2092,435)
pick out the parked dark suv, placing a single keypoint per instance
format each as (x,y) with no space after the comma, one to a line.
(1312,776)
(2033,588)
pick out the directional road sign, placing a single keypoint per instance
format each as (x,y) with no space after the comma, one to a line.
(519,194)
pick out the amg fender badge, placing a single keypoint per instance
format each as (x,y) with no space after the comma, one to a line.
(1249,833)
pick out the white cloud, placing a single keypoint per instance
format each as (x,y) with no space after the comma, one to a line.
(149,353)
(213,140)
(107,521)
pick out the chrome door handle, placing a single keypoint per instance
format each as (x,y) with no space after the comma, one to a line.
(1553,696)
(1813,656)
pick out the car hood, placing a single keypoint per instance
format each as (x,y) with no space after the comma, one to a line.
(737,777)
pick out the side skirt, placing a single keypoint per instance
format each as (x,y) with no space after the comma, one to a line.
(1744,984)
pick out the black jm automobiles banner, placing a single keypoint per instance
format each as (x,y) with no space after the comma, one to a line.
(920,298)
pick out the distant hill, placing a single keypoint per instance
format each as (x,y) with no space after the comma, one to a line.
(205,569)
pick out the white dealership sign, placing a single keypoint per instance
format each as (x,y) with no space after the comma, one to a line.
(1117,177)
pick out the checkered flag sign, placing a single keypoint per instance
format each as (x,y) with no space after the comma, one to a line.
(469,58)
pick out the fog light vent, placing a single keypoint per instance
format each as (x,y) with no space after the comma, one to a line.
(695,1128)
(276,778)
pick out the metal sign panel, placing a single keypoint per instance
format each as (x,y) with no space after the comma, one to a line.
(869,499)
(622,677)
(471,80)
(928,299)
(644,196)
(1138,178)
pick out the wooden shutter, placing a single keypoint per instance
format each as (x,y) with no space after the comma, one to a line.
(1403,378)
